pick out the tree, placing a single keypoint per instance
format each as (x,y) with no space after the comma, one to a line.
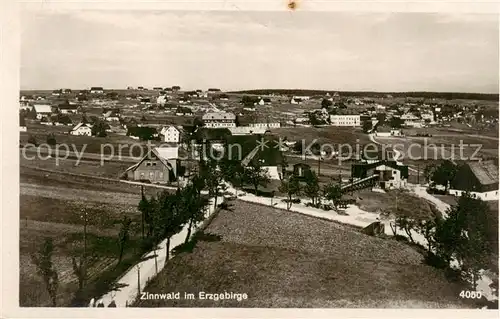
(464,236)
(197,122)
(314,120)
(22,118)
(46,269)
(381,118)
(145,207)
(333,193)
(427,228)
(123,236)
(213,179)
(407,224)
(444,173)
(291,188)
(429,172)
(312,189)
(99,129)
(367,126)
(79,271)
(51,139)
(297,147)
(232,171)
(396,122)
(63,119)
(170,218)
(32,140)
(256,175)
(326,103)
(31,114)
(192,207)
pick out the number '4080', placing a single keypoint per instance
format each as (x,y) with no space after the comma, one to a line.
(470,294)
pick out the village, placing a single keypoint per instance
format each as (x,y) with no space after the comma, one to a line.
(346,157)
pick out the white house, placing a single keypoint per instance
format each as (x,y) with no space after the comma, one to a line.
(345,120)
(68,108)
(219,119)
(266,125)
(161,100)
(96,90)
(171,134)
(82,129)
(246,130)
(42,111)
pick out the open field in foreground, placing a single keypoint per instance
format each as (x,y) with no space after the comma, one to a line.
(283,259)
(51,205)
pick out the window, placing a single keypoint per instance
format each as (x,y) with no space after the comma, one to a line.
(161,175)
(154,163)
(151,175)
(148,164)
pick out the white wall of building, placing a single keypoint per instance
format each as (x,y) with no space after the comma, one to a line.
(220,124)
(171,135)
(83,130)
(266,125)
(345,120)
(491,195)
(273,172)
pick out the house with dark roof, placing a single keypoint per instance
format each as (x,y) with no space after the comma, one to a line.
(158,166)
(479,178)
(388,174)
(82,129)
(258,150)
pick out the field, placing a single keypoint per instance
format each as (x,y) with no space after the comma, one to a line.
(403,202)
(283,259)
(324,135)
(51,205)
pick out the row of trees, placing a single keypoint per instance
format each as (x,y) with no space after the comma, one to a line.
(463,236)
(310,187)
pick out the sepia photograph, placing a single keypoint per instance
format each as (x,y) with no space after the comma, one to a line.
(258,159)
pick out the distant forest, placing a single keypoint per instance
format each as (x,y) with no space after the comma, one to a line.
(427,95)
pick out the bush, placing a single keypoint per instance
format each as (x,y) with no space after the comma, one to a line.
(454,275)
(435,261)
(32,140)
(436,191)
(401,238)
(51,139)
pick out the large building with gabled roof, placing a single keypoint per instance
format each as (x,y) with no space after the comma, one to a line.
(479,178)
(158,166)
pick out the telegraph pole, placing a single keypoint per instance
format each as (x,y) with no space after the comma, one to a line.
(319,165)
(418,174)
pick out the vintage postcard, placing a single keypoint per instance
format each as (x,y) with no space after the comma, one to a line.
(234,157)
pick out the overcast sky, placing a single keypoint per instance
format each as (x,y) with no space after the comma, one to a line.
(250,50)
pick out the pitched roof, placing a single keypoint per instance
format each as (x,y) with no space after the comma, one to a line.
(485,171)
(42,108)
(80,125)
(258,149)
(162,153)
(68,106)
